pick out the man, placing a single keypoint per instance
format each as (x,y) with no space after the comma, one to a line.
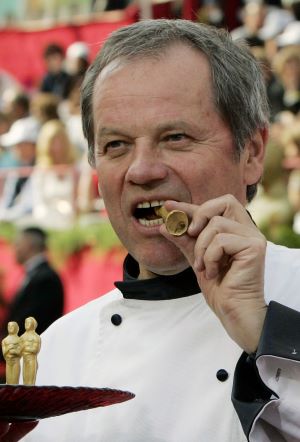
(56,80)
(176,115)
(41,294)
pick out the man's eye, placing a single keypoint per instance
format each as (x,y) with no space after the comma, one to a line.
(176,137)
(114,144)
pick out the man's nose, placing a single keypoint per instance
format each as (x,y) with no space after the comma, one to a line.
(146,166)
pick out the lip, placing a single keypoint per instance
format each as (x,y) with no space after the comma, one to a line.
(145,230)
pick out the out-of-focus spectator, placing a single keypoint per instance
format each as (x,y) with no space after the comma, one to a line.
(290,36)
(6,157)
(274,24)
(253,15)
(286,66)
(291,140)
(69,111)
(44,107)
(276,20)
(9,86)
(16,199)
(270,207)
(291,144)
(77,58)
(54,178)
(273,86)
(18,107)
(41,293)
(56,80)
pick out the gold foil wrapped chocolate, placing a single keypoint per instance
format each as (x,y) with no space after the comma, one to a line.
(176,221)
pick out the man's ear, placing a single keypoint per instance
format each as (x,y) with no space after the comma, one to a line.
(255,149)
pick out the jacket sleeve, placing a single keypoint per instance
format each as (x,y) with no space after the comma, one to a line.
(266,386)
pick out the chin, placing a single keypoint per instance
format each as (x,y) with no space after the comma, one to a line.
(162,263)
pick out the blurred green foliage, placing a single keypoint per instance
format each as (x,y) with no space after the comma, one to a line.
(100,237)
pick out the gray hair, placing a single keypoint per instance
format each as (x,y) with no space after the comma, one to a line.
(237,79)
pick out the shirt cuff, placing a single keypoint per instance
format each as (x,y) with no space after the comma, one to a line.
(266,387)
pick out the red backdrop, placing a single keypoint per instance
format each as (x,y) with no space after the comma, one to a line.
(21,52)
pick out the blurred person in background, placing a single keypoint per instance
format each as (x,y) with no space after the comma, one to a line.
(7,159)
(54,179)
(286,65)
(56,80)
(271,207)
(252,15)
(16,200)
(18,107)
(44,106)
(77,58)
(9,86)
(41,293)
(69,111)
(291,143)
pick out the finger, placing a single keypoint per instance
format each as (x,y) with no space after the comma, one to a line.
(18,430)
(218,224)
(226,245)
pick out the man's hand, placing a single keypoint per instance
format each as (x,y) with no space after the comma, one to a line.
(13,432)
(227,254)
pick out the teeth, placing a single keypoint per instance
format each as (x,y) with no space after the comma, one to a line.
(144,205)
(152,222)
(147,204)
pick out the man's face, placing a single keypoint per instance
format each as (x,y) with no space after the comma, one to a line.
(158,136)
(23,248)
(54,63)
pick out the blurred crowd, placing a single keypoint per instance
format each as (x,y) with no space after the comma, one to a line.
(45,178)
(273,34)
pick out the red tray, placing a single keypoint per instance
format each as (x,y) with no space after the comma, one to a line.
(21,402)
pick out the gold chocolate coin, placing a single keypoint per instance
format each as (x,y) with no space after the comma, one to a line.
(176,221)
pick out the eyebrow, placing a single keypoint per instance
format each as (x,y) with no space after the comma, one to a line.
(107,131)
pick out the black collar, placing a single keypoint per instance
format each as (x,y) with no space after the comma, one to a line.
(156,289)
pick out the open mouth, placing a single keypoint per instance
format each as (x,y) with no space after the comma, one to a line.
(146,215)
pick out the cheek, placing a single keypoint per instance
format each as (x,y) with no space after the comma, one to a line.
(210,180)
(109,186)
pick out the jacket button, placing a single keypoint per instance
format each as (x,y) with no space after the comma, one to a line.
(116,319)
(222,375)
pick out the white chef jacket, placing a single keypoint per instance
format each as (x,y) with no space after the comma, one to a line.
(168,353)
